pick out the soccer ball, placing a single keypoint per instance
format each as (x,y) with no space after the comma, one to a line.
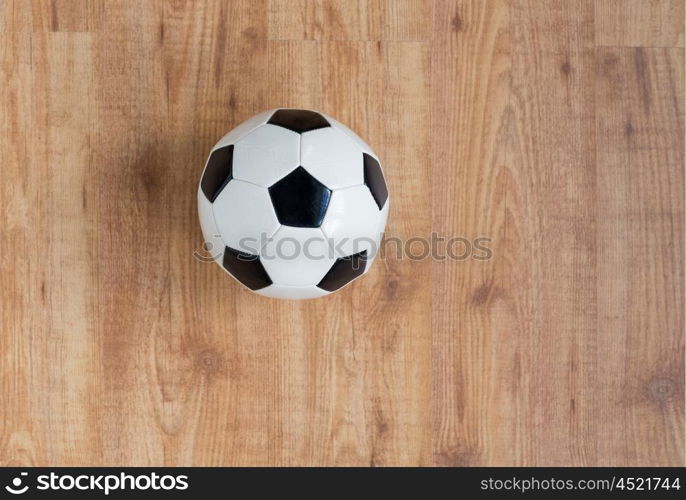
(293,204)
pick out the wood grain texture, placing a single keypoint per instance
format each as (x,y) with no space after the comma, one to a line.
(639,23)
(554,129)
(51,15)
(639,127)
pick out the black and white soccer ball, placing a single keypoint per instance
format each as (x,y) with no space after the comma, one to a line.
(293,204)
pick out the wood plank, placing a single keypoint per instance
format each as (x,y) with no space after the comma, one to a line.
(22,283)
(352,20)
(321,416)
(63,82)
(323,20)
(555,216)
(514,349)
(51,15)
(407,20)
(216,77)
(639,127)
(639,23)
(352,92)
(131,153)
(474,302)
(297,79)
(329,385)
(57,209)
(393,334)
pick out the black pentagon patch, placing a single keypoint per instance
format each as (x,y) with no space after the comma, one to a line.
(218,173)
(246,268)
(298,120)
(344,271)
(373,178)
(300,200)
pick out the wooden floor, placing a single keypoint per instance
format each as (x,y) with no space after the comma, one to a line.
(554,128)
